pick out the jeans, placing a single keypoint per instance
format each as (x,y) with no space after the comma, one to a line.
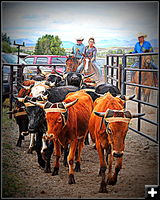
(96,67)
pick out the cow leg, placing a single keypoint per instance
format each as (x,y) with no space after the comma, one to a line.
(87,139)
(71,155)
(38,150)
(113,179)
(57,149)
(65,151)
(78,157)
(47,156)
(110,161)
(32,143)
(103,168)
(19,142)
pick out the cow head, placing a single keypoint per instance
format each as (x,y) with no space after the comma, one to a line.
(21,117)
(56,116)
(117,122)
(74,78)
(36,115)
(53,80)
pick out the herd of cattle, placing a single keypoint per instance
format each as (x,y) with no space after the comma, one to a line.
(60,110)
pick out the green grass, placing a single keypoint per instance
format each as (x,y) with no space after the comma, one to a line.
(12,183)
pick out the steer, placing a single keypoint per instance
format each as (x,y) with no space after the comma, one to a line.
(67,123)
(37,122)
(108,126)
(21,118)
(19,112)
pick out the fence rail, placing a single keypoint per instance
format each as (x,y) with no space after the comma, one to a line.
(14,78)
(118,73)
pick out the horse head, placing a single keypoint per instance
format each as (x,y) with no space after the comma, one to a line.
(146,60)
(87,62)
(71,63)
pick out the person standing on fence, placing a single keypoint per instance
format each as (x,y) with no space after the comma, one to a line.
(78,48)
(91,52)
(143,46)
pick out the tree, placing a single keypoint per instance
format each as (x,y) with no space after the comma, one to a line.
(6,38)
(48,45)
(6,42)
(6,47)
(119,51)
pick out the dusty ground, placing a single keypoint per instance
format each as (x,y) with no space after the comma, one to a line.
(23,178)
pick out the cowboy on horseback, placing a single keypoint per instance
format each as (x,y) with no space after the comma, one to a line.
(90,51)
(143,47)
(78,48)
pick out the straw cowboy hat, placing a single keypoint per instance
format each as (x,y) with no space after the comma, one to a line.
(141,34)
(80,38)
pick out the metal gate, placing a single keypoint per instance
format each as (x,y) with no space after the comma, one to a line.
(16,75)
(117,71)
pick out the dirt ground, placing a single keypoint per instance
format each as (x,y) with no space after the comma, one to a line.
(23,178)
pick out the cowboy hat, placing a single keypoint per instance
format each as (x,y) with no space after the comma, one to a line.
(141,34)
(80,38)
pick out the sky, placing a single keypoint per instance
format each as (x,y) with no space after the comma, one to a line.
(103,20)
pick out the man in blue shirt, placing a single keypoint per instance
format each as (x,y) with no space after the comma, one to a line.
(142,47)
(78,48)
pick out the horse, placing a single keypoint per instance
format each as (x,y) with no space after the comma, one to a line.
(147,78)
(89,68)
(71,63)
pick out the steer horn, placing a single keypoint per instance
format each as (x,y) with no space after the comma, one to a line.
(21,99)
(63,75)
(87,76)
(37,104)
(26,87)
(67,105)
(126,98)
(137,115)
(10,112)
(43,73)
(100,114)
(110,113)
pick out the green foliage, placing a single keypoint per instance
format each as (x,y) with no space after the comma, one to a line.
(6,38)
(120,51)
(6,44)
(49,45)
(6,47)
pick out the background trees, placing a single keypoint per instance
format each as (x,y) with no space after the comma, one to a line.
(6,42)
(49,45)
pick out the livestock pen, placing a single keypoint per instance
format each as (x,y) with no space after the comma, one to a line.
(23,178)
(117,71)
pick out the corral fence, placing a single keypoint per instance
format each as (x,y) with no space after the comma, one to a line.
(117,71)
(16,76)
